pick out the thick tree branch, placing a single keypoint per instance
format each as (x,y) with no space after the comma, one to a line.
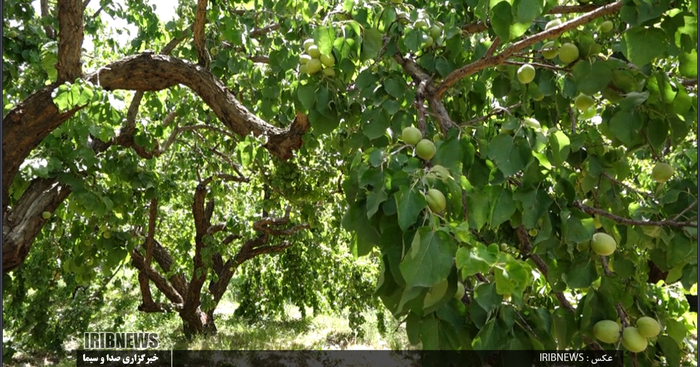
(24,222)
(200,19)
(139,262)
(152,72)
(427,90)
(70,40)
(488,61)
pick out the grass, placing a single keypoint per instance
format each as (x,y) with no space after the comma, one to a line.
(289,332)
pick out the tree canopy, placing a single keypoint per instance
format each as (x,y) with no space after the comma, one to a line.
(549,182)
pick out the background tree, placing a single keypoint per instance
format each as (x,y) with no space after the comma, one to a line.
(544,123)
(157,181)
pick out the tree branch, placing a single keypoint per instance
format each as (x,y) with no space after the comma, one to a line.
(495,111)
(264,30)
(626,221)
(70,40)
(488,61)
(152,72)
(200,18)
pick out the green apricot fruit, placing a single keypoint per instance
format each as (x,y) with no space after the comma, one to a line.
(662,172)
(607,331)
(313,66)
(308,43)
(526,74)
(606,26)
(327,60)
(583,102)
(633,341)
(425,149)
(568,53)
(648,327)
(411,135)
(314,52)
(549,51)
(603,244)
(460,290)
(436,200)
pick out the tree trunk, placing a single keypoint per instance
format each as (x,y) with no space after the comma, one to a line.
(197,323)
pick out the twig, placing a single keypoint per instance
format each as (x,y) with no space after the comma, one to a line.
(494,45)
(604,262)
(659,223)
(495,111)
(621,314)
(264,30)
(259,59)
(641,193)
(693,205)
(538,65)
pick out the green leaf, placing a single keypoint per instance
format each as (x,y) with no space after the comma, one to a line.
(509,155)
(581,274)
(430,259)
(527,10)
(374,199)
(592,77)
(324,37)
(513,277)
(479,206)
(633,99)
(501,20)
(395,87)
(477,259)
(642,44)
(670,350)
(322,124)
(410,202)
(493,336)
(680,250)
(688,64)
(503,206)
(625,126)
(413,323)
(376,126)
(435,294)
(371,43)
(429,333)
(355,219)
(564,327)
(307,96)
(560,144)
(535,203)
(486,296)
(577,227)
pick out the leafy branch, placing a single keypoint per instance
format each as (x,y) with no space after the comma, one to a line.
(488,60)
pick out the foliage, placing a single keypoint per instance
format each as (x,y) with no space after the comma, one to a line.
(529,175)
